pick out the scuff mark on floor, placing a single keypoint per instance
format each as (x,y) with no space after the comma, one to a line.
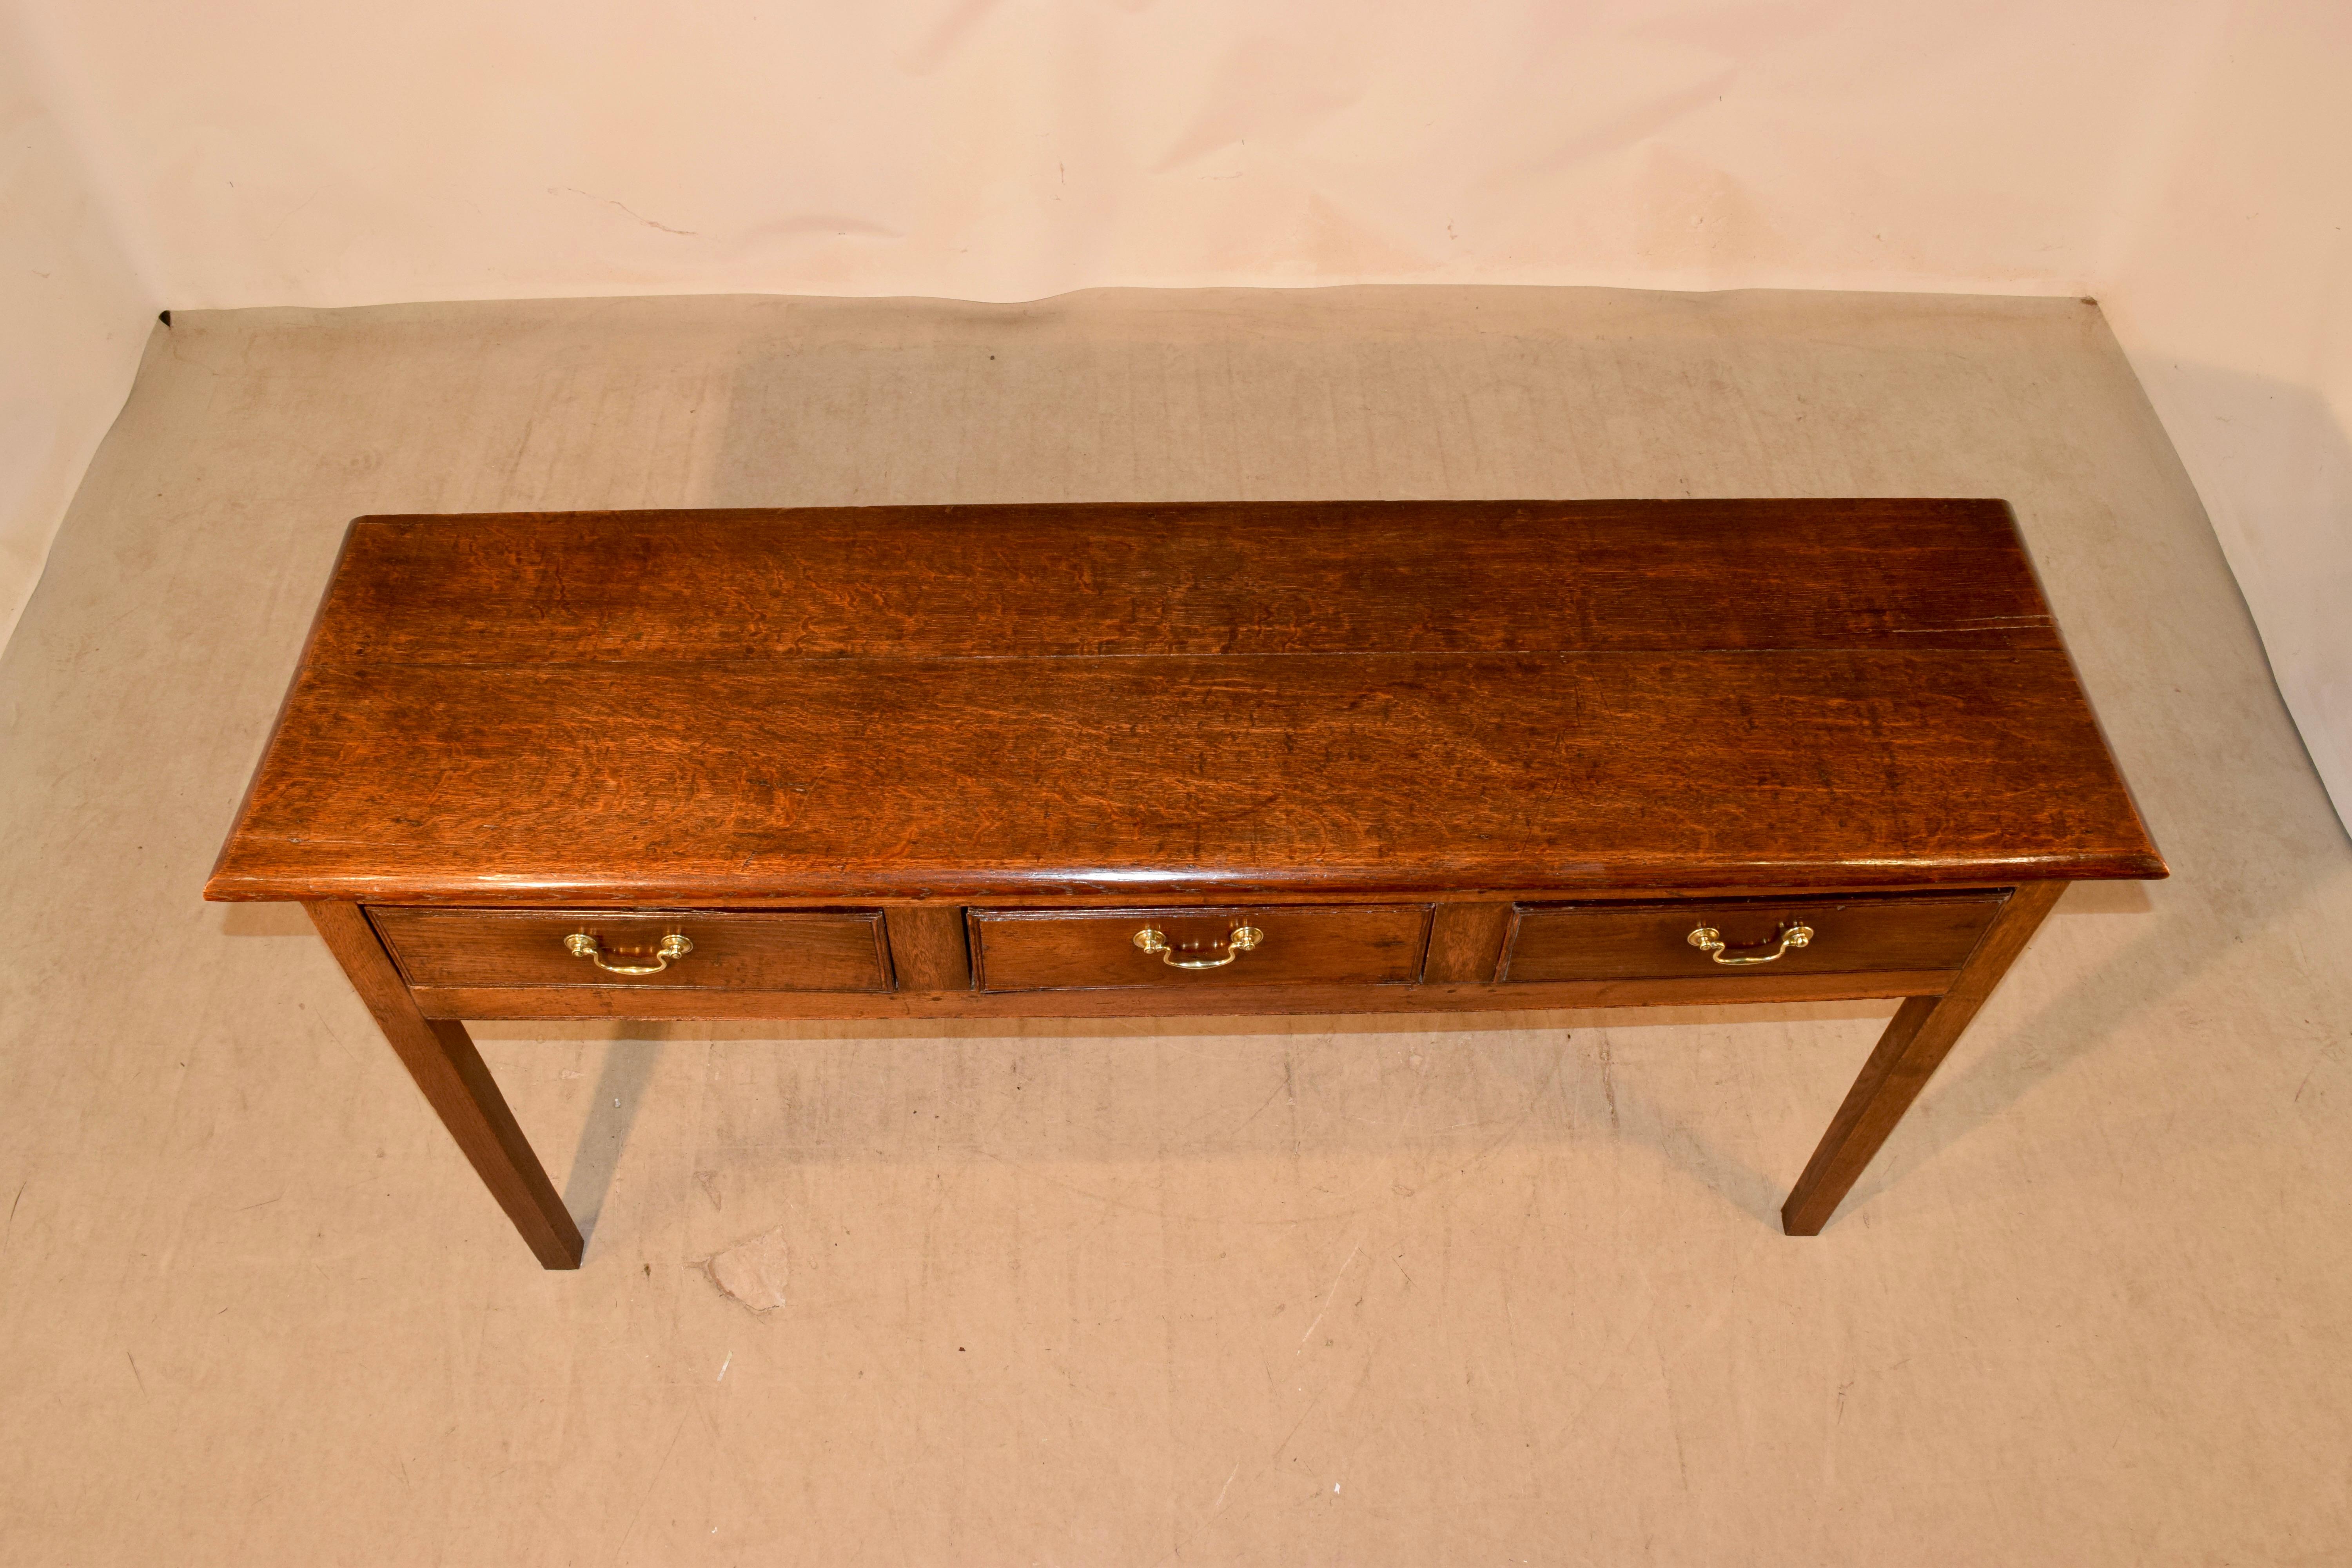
(1328,1294)
(751,1274)
(708,1182)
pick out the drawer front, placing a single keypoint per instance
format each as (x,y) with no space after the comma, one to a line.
(730,951)
(1925,932)
(1096,950)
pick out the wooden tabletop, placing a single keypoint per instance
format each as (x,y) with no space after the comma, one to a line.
(1168,701)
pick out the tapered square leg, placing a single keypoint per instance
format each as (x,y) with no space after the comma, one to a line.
(1905,1058)
(440,1056)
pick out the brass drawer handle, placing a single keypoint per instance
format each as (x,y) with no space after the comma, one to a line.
(1238,940)
(1710,940)
(673,947)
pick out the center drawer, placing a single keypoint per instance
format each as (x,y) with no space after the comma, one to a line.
(1095,950)
(716,950)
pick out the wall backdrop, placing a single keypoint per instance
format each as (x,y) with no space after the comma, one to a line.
(2187,161)
(73,316)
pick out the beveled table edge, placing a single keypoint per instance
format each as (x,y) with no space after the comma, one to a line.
(920,885)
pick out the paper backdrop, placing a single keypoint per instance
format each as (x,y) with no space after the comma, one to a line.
(2184,160)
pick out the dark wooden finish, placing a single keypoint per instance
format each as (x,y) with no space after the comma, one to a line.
(1208,1001)
(1641,941)
(768,951)
(929,948)
(440,1056)
(855,779)
(944,761)
(1094,950)
(1904,1059)
(1192,577)
(1465,942)
(1228,701)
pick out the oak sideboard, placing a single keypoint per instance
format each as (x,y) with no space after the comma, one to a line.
(981,762)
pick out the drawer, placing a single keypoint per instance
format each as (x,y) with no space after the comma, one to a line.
(1097,950)
(766,949)
(1859,935)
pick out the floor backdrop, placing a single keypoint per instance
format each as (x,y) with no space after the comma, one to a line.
(1462,1289)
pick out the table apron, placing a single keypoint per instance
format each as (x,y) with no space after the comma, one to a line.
(1698,991)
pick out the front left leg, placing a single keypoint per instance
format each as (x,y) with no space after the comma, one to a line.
(440,1056)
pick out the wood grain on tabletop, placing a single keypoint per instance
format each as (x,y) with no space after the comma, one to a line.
(1201,701)
(946,582)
